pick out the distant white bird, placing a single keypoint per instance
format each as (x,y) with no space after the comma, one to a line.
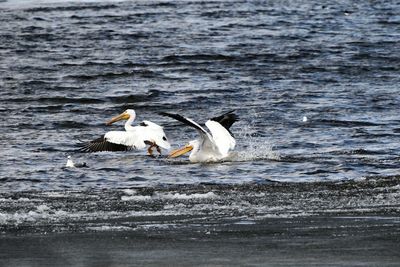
(305,119)
(70,163)
(134,137)
(210,147)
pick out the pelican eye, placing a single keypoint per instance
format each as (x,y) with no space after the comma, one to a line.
(164,138)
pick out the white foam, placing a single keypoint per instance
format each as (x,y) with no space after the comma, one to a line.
(136,198)
(190,196)
(245,222)
(42,208)
(41,213)
(24,199)
(169,196)
(55,194)
(129,191)
(361,178)
(151,226)
(105,228)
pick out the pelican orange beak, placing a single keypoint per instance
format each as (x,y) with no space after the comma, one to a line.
(122,116)
(179,152)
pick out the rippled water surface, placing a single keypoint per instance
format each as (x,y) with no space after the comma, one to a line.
(67,67)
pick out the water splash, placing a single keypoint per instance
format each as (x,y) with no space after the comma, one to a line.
(253,147)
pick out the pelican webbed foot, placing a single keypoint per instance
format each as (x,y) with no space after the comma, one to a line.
(150,149)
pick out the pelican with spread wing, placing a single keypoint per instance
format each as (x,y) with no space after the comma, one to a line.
(134,137)
(210,146)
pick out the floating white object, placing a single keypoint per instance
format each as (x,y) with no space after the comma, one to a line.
(305,119)
(70,163)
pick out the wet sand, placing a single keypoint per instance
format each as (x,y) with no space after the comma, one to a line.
(301,241)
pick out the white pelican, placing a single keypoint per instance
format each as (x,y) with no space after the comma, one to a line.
(134,137)
(209,147)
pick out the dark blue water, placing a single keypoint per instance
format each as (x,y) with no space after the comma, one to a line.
(68,67)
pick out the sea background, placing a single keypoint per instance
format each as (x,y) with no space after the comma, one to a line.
(324,191)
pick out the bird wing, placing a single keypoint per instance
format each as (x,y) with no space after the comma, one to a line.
(207,142)
(226,120)
(221,136)
(132,138)
(101,144)
(114,141)
(186,121)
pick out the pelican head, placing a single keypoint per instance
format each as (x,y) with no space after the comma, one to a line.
(126,115)
(192,145)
